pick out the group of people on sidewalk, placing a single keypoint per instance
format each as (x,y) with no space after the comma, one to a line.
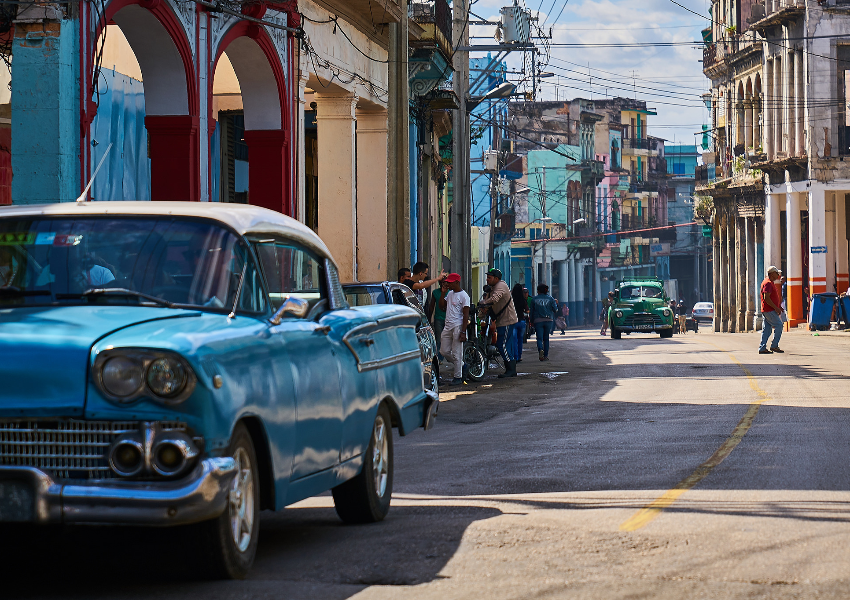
(510,310)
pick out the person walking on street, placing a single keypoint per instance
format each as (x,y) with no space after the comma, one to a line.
(561,318)
(456,305)
(771,310)
(606,304)
(682,312)
(521,307)
(501,304)
(439,319)
(543,310)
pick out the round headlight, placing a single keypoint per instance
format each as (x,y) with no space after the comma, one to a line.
(166,377)
(121,376)
(666,312)
(619,314)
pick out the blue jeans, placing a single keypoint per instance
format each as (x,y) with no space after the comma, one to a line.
(542,331)
(519,337)
(771,322)
(505,342)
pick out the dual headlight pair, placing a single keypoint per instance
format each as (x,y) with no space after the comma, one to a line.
(125,375)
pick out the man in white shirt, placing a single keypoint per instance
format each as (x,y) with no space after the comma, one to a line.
(456,305)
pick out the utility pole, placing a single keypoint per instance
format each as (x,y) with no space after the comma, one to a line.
(461,246)
(547,275)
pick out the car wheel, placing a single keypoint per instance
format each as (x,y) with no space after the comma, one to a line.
(666,333)
(435,376)
(616,334)
(366,497)
(231,539)
(474,360)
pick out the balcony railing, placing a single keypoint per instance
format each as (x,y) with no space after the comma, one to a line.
(432,11)
(704,174)
(640,144)
(643,186)
(774,6)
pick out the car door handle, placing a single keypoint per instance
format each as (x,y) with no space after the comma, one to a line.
(367,341)
(325,329)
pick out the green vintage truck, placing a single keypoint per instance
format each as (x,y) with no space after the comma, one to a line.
(641,305)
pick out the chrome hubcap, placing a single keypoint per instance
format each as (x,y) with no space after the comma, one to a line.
(242,501)
(380,456)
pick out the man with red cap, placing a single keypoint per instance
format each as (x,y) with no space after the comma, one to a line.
(456,305)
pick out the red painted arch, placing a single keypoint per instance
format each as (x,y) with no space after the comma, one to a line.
(270,165)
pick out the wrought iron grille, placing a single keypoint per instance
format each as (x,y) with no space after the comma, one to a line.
(66,449)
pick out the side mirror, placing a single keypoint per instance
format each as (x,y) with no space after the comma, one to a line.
(297,307)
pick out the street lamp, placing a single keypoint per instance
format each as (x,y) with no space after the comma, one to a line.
(503,90)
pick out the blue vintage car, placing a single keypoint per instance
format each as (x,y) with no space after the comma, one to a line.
(187,363)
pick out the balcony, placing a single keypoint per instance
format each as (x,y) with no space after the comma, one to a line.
(595,168)
(716,56)
(640,144)
(640,187)
(657,168)
(778,12)
(435,17)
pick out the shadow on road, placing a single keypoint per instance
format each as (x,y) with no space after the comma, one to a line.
(306,549)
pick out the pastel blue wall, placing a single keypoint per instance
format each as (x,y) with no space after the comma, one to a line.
(681,160)
(46,116)
(557,178)
(482,116)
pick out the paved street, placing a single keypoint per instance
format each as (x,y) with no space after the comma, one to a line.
(644,468)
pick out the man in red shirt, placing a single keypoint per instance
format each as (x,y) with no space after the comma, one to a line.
(771,310)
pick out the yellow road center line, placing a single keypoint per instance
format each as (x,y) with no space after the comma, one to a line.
(648,513)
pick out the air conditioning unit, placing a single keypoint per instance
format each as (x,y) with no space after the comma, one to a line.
(515,25)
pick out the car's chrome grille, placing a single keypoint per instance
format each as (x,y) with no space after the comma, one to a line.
(67,449)
(642,319)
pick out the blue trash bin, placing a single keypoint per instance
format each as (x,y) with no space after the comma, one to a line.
(820,313)
(844,304)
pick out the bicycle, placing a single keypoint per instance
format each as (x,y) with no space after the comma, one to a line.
(479,354)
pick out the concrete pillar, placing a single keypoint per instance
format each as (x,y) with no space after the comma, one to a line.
(46,108)
(748,124)
(800,94)
(791,95)
(779,102)
(759,270)
(767,108)
(817,239)
(722,309)
(372,195)
(829,229)
(573,293)
(597,304)
(772,229)
(750,283)
(174,150)
(563,282)
(268,152)
(582,302)
(398,193)
(731,274)
(741,269)
(758,105)
(794,265)
(716,261)
(335,122)
(842,275)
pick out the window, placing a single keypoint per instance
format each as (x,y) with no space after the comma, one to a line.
(290,270)
(364,296)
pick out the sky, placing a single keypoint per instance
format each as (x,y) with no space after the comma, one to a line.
(670,78)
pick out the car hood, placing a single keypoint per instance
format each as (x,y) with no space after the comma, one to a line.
(645,305)
(44,353)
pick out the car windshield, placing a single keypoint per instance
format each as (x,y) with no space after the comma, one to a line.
(58,260)
(634,292)
(362,295)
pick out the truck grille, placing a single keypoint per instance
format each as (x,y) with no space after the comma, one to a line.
(66,449)
(642,319)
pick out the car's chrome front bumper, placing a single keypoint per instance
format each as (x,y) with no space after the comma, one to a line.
(638,329)
(28,494)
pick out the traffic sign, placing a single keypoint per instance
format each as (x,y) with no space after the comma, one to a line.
(818,250)
(707,231)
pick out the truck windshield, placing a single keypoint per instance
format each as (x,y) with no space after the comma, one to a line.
(58,260)
(634,292)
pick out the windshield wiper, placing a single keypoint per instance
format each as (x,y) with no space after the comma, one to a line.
(115,292)
(13,291)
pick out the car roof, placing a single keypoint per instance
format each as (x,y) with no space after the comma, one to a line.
(243,218)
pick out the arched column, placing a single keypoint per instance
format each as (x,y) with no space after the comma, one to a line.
(166,60)
(262,82)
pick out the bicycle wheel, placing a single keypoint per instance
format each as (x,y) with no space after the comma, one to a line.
(474,361)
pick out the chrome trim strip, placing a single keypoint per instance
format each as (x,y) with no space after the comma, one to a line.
(201,495)
(389,361)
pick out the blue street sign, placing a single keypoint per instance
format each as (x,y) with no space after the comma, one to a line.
(818,250)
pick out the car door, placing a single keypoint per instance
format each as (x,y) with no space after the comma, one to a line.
(403,296)
(292,270)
